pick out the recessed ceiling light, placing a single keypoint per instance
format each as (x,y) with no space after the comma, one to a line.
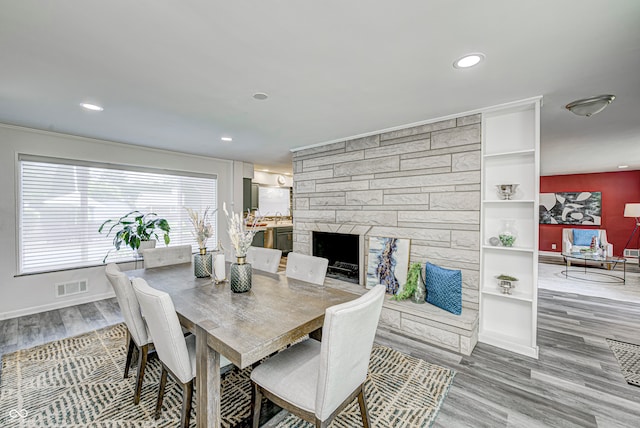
(92,107)
(260,96)
(623,166)
(468,60)
(226,139)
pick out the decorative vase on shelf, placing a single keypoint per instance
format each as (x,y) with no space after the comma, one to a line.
(203,264)
(240,278)
(508,233)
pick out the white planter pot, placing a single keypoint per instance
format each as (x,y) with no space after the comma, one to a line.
(145,245)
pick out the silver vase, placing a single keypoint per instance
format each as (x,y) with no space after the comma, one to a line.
(240,276)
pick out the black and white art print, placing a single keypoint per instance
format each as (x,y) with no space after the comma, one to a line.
(571,208)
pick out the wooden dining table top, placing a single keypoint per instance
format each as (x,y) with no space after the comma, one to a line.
(245,327)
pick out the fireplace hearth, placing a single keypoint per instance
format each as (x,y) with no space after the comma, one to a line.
(343,252)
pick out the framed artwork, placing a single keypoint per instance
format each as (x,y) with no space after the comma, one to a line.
(583,208)
(388,263)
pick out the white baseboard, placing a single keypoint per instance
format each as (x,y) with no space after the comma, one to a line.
(56,305)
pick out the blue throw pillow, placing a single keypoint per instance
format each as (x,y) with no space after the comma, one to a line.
(582,237)
(444,288)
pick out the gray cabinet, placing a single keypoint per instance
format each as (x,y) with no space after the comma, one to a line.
(258,239)
(250,192)
(283,238)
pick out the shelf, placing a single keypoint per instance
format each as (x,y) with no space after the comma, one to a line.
(510,154)
(509,201)
(515,295)
(517,249)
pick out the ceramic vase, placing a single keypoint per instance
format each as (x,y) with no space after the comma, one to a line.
(240,276)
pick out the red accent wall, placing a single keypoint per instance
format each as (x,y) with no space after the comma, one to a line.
(618,188)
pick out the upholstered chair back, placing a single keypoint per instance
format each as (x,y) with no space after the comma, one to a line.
(266,259)
(307,268)
(164,325)
(347,339)
(129,305)
(165,256)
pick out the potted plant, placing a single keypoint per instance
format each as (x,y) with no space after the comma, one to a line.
(135,228)
(506,283)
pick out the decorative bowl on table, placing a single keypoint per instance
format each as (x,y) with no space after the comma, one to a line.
(506,191)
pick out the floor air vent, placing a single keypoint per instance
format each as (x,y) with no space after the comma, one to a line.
(72,287)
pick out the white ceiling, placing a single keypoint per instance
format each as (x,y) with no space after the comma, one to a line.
(178,75)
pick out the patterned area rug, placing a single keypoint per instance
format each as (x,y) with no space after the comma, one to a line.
(77,382)
(628,356)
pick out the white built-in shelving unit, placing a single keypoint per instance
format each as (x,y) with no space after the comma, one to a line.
(510,155)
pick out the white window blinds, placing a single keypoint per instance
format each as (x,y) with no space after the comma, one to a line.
(63,203)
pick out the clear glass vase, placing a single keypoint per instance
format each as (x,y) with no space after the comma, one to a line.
(240,276)
(420,295)
(508,233)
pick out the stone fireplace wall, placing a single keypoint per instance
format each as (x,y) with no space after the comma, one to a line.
(420,183)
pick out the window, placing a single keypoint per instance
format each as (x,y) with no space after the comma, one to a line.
(274,201)
(63,203)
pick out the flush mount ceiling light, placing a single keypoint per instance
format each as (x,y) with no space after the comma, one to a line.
(468,60)
(91,107)
(623,166)
(590,106)
(260,96)
(226,139)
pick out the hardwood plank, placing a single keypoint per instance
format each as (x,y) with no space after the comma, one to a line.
(30,331)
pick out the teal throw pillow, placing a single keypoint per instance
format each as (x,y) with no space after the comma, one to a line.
(582,237)
(444,288)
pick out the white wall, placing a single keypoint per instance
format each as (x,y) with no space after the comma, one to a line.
(35,293)
(270,179)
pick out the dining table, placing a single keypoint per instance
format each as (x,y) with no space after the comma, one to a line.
(244,327)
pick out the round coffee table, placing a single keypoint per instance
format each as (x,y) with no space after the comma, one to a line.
(602,277)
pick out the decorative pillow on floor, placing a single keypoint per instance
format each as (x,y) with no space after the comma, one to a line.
(582,237)
(444,288)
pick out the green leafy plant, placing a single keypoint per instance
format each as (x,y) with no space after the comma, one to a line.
(506,278)
(134,227)
(412,282)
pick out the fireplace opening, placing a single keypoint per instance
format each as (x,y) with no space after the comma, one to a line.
(343,251)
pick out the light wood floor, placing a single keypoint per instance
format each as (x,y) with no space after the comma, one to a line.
(576,382)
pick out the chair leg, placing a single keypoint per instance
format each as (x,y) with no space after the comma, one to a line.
(363,408)
(142,363)
(256,405)
(132,345)
(187,395)
(163,384)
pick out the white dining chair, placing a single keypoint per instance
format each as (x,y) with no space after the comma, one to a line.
(138,336)
(316,380)
(265,259)
(166,256)
(307,268)
(176,353)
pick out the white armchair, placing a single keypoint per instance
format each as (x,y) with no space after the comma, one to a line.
(570,246)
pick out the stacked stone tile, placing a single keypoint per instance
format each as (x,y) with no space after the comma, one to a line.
(420,183)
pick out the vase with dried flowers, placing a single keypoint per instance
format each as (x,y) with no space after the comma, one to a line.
(241,236)
(202,231)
